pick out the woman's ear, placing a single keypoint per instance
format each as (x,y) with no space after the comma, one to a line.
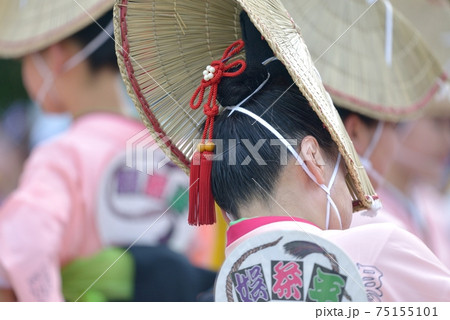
(312,155)
(359,132)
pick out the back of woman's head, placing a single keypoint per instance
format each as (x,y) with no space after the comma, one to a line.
(104,56)
(252,157)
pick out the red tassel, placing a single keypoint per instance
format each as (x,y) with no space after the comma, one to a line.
(201,201)
(194,188)
(207,214)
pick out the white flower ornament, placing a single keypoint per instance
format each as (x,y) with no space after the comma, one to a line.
(208,74)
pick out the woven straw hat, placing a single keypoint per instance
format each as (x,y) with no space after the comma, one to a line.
(440,105)
(371,62)
(432,20)
(163,47)
(31,25)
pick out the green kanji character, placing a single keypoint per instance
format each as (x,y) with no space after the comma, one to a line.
(327,287)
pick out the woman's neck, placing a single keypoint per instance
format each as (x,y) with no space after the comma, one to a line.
(290,199)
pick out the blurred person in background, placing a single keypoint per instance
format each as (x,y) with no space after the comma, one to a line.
(82,207)
(413,187)
(392,77)
(368,74)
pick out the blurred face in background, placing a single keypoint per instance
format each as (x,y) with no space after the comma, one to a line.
(425,148)
(376,143)
(384,152)
(34,80)
(47,79)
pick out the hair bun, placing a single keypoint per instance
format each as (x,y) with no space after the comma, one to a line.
(233,90)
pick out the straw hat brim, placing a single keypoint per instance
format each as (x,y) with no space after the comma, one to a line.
(361,69)
(163,47)
(440,105)
(432,20)
(30,26)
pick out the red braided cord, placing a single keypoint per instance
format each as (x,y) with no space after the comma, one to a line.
(210,108)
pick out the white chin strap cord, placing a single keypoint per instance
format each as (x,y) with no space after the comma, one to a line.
(389,29)
(47,75)
(327,189)
(365,158)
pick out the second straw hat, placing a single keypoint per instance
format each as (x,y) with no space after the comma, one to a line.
(28,26)
(372,61)
(164,46)
(432,20)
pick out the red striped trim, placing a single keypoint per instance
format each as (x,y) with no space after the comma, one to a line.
(125,52)
(384,109)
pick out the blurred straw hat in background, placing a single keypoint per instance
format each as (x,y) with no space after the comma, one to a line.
(31,25)
(371,59)
(432,20)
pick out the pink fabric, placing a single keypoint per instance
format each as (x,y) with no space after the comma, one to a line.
(250,224)
(50,219)
(431,224)
(395,265)
(437,219)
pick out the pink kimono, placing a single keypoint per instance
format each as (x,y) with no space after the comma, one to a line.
(394,264)
(425,217)
(80,192)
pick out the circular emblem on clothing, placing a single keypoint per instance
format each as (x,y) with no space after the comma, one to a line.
(136,206)
(289,266)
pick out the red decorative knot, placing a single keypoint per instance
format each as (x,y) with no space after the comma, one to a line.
(201,201)
(211,78)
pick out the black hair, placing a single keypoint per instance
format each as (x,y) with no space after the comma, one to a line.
(345,113)
(235,182)
(105,55)
(248,160)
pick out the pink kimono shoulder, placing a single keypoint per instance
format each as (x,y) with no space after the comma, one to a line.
(394,264)
(425,217)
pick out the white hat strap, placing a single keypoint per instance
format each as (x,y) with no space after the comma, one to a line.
(327,189)
(91,47)
(389,29)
